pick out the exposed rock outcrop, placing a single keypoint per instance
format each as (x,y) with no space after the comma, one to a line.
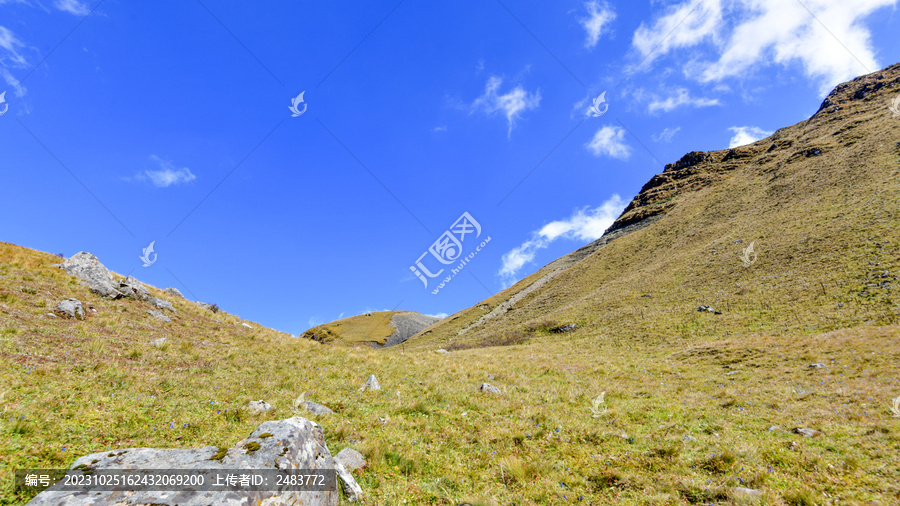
(92,274)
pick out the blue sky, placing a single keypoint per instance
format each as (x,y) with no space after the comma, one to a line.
(128,123)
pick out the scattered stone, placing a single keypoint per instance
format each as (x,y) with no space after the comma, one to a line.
(51,315)
(793,445)
(372,383)
(316,408)
(174,291)
(773,428)
(689,438)
(259,406)
(351,459)
(133,288)
(488,388)
(159,342)
(730,373)
(490,377)
(72,307)
(293,443)
(564,328)
(708,310)
(817,366)
(442,351)
(204,305)
(161,303)
(92,274)
(742,491)
(807,432)
(352,490)
(159,316)
(245,325)
(812,152)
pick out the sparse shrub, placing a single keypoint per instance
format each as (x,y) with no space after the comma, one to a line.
(517,470)
(719,462)
(134,354)
(214,308)
(399,463)
(507,339)
(29,291)
(542,326)
(235,415)
(802,497)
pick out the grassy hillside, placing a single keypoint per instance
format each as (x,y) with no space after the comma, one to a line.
(364,329)
(697,406)
(820,201)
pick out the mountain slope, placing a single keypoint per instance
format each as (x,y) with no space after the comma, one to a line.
(377,329)
(819,201)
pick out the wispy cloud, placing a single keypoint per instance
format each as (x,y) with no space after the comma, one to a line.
(73,7)
(511,103)
(315,321)
(747,134)
(11,57)
(666,135)
(438,315)
(167,174)
(832,45)
(609,141)
(600,14)
(682,97)
(584,225)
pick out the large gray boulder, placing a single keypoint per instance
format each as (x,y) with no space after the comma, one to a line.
(293,443)
(133,288)
(72,307)
(92,274)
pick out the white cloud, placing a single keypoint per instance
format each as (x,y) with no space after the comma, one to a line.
(11,57)
(832,45)
(438,315)
(167,175)
(680,98)
(746,134)
(600,15)
(72,7)
(315,321)
(439,129)
(584,225)
(511,104)
(666,135)
(610,141)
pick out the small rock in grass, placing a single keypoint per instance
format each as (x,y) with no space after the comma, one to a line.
(72,308)
(807,432)
(174,291)
(371,383)
(159,316)
(161,303)
(316,408)
(773,428)
(708,309)
(259,406)
(245,325)
(352,490)
(442,351)
(488,388)
(819,365)
(159,342)
(742,491)
(350,458)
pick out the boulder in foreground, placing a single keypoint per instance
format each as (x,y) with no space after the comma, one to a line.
(293,443)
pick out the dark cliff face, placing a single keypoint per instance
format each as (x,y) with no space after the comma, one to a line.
(699,169)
